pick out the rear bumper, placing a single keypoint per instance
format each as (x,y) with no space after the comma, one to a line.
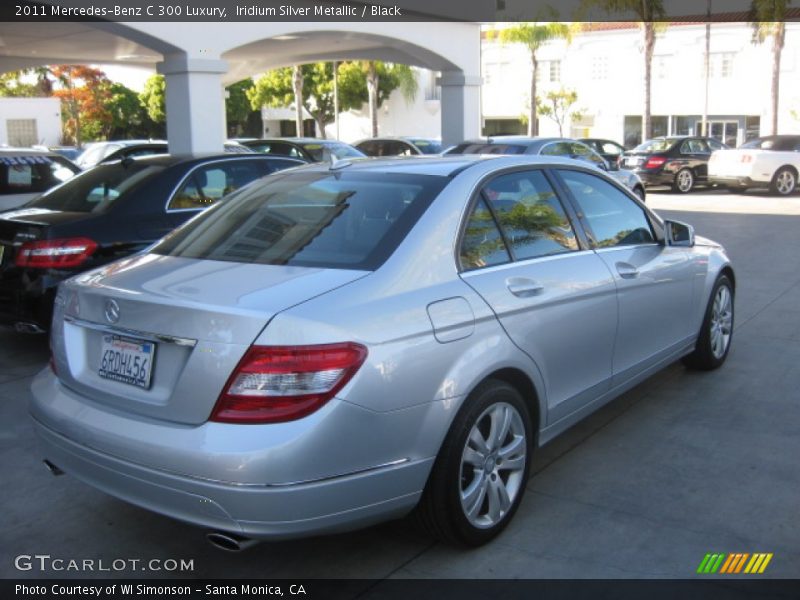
(732,181)
(239,499)
(651,178)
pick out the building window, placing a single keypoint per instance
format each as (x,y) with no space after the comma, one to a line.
(21,132)
(720,65)
(555,70)
(432,90)
(600,67)
(549,70)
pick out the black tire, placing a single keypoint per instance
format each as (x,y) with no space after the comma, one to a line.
(684,181)
(707,354)
(784,182)
(441,511)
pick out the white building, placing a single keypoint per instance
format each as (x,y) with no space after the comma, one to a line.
(605,65)
(29,121)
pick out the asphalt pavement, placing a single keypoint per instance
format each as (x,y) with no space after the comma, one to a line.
(683,465)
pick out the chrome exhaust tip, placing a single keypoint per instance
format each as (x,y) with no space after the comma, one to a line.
(54,470)
(230,542)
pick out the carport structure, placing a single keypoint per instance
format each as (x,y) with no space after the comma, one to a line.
(198,59)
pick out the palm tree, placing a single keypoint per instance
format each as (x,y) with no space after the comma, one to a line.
(648,12)
(534,35)
(706,59)
(297,85)
(768,21)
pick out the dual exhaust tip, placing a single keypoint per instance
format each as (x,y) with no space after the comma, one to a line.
(229,542)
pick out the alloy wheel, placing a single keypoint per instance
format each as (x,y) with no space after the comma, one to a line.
(721,322)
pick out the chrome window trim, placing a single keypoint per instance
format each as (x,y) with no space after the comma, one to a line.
(150,337)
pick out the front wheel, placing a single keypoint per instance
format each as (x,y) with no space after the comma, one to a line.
(715,336)
(784,182)
(684,181)
(479,477)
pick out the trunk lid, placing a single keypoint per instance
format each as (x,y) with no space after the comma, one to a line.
(191,319)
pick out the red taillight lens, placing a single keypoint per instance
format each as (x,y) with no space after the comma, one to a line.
(655,161)
(273,384)
(55,254)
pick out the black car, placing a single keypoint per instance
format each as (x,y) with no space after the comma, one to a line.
(307,149)
(108,212)
(608,149)
(399,146)
(678,162)
(549,146)
(111,151)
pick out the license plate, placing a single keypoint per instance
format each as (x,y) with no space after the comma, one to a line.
(127,360)
(632,161)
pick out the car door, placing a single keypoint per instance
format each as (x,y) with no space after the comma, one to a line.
(554,297)
(697,153)
(654,281)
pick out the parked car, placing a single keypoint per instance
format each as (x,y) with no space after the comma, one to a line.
(772,161)
(103,214)
(98,152)
(336,346)
(678,162)
(399,146)
(608,149)
(69,152)
(549,146)
(24,174)
(307,149)
(134,150)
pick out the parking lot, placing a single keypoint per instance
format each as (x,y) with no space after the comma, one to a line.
(685,464)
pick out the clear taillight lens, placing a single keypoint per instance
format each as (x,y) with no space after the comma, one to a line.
(273,384)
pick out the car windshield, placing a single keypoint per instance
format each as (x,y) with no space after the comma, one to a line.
(327,152)
(96,189)
(330,220)
(486,148)
(30,174)
(656,145)
(428,146)
(786,144)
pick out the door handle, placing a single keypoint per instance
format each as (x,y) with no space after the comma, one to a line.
(627,270)
(524,287)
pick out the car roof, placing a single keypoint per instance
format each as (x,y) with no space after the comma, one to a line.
(167,160)
(444,166)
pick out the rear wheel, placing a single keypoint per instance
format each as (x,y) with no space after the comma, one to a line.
(784,182)
(715,336)
(684,181)
(479,476)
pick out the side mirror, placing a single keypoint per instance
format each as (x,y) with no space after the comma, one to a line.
(679,234)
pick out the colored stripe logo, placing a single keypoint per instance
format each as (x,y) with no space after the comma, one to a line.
(733,563)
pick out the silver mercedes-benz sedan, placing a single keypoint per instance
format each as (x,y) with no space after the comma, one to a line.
(338,345)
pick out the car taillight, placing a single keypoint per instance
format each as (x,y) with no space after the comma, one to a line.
(273,384)
(55,254)
(746,158)
(655,161)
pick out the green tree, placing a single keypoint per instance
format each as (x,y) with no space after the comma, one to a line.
(129,119)
(534,35)
(558,106)
(647,12)
(13,86)
(237,106)
(153,98)
(768,19)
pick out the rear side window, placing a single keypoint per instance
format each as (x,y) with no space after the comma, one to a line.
(482,244)
(330,220)
(32,174)
(208,183)
(530,215)
(96,189)
(614,219)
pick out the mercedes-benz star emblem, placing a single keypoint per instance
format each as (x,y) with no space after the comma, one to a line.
(112,311)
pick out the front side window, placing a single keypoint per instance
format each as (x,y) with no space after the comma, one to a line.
(583,152)
(614,219)
(530,215)
(310,219)
(207,184)
(482,244)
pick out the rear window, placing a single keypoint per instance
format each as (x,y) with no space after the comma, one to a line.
(480,148)
(96,189)
(32,174)
(328,152)
(784,144)
(330,220)
(657,145)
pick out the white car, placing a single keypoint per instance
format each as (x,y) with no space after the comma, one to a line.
(772,161)
(25,173)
